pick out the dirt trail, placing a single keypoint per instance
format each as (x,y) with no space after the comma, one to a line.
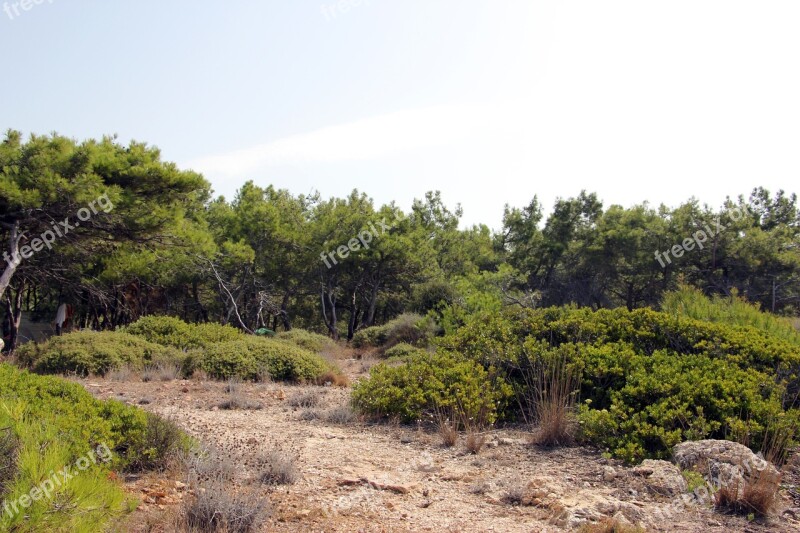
(369,478)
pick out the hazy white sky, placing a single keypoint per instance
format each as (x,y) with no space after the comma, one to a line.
(490,102)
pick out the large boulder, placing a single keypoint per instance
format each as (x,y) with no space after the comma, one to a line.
(727,464)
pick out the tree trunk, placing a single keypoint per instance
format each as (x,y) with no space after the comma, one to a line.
(287,325)
(14,313)
(328,301)
(12,259)
(369,316)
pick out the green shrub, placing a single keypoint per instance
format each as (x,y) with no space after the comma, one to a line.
(81,420)
(370,337)
(409,328)
(431,382)
(58,424)
(90,352)
(171,331)
(248,357)
(85,501)
(649,379)
(313,342)
(402,351)
(734,310)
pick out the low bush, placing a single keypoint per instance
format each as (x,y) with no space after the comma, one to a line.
(649,380)
(431,382)
(82,421)
(171,331)
(402,352)
(249,357)
(91,352)
(57,425)
(409,328)
(313,342)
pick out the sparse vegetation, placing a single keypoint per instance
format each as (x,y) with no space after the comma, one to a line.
(342,415)
(277,468)
(305,399)
(217,507)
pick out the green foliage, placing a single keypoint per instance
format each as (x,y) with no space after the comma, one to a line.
(428,382)
(410,328)
(89,352)
(58,424)
(694,480)
(313,342)
(82,421)
(402,351)
(84,501)
(735,310)
(171,331)
(650,380)
(249,357)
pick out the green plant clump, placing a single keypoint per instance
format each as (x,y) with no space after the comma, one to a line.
(89,352)
(313,342)
(58,425)
(250,357)
(429,383)
(409,328)
(171,331)
(649,380)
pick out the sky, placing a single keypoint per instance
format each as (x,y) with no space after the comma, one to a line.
(490,102)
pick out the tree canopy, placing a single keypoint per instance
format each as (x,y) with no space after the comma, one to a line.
(119,233)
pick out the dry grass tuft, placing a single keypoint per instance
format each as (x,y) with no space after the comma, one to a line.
(514,495)
(121,374)
(548,399)
(305,399)
(149,373)
(237,402)
(758,498)
(475,442)
(480,487)
(168,371)
(217,507)
(333,379)
(342,415)
(277,468)
(232,385)
(447,429)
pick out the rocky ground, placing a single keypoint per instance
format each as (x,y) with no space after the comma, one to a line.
(361,477)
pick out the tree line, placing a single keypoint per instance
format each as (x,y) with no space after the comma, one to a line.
(118,233)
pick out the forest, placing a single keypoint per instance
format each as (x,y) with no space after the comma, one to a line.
(117,233)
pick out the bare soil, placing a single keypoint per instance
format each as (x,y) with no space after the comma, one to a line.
(374,478)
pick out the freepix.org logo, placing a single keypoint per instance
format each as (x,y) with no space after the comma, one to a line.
(57,480)
(361,241)
(59,230)
(16,9)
